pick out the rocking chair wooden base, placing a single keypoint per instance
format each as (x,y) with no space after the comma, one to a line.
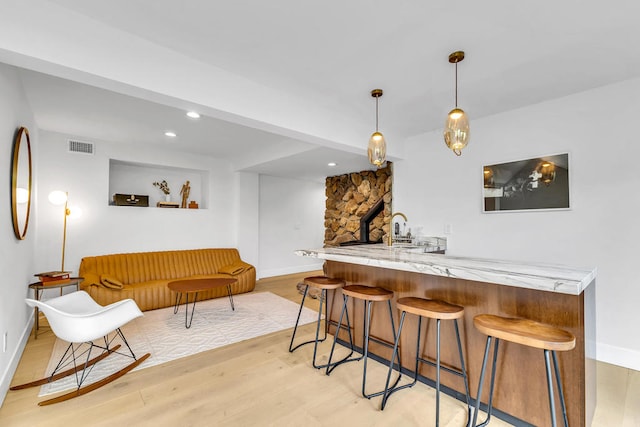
(86,389)
(56,377)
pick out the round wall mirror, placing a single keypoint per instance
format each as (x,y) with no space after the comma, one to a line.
(21,183)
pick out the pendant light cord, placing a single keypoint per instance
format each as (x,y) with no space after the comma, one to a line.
(377,113)
(456,85)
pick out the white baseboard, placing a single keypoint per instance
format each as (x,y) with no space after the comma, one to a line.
(7,375)
(618,356)
(270,272)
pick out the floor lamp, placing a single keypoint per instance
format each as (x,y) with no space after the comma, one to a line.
(57,198)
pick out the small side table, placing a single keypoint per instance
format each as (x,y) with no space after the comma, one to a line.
(38,287)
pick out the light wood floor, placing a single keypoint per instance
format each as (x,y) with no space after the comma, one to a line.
(259,383)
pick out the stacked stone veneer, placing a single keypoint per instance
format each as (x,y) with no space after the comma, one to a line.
(349,198)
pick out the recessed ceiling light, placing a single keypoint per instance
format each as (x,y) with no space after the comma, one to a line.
(170,134)
(332,164)
(193,115)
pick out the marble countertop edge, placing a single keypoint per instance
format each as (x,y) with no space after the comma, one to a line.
(545,277)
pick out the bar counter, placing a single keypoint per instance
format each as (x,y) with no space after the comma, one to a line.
(557,295)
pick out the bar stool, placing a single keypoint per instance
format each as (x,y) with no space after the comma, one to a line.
(530,333)
(432,309)
(323,283)
(368,295)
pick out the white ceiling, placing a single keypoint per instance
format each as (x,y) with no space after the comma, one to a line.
(333,53)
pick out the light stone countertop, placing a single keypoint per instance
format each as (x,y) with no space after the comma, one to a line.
(544,277)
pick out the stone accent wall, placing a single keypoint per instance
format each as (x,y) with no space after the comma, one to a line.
(351,196)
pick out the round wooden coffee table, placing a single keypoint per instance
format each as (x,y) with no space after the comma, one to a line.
(193,286)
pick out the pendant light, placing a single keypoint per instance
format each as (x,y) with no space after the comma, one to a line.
(456,127)
(377,145)
(488,177)
(548,173)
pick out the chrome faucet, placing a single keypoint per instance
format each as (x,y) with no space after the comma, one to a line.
(390,241)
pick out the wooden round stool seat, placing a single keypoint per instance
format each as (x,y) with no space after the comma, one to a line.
(434,309)
(526,332)
(532,334)
(324,282)
(367,293)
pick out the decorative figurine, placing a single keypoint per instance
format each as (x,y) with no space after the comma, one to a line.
(185,194)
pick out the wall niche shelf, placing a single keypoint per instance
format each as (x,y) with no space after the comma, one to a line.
(127,177)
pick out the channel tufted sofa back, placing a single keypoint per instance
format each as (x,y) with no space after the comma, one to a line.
(144,275)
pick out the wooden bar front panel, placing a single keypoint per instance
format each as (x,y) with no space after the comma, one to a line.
(521,386)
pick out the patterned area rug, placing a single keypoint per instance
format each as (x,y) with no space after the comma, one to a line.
(162,333)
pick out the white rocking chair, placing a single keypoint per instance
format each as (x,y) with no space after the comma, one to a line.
(77,319)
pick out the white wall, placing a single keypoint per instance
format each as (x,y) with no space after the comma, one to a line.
(104,229)
(248,217)
(16,256)
(291,217)
(597,128)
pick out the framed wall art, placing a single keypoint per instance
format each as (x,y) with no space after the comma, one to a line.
(540,183)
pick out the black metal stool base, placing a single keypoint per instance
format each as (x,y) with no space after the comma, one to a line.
(552,405)
(323,301)
(366,339)
(389,390)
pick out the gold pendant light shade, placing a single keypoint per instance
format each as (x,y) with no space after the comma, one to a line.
(456,127)
(456,130)
(548,173)
(377,150)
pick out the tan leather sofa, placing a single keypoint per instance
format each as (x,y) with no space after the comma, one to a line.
(143,276)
